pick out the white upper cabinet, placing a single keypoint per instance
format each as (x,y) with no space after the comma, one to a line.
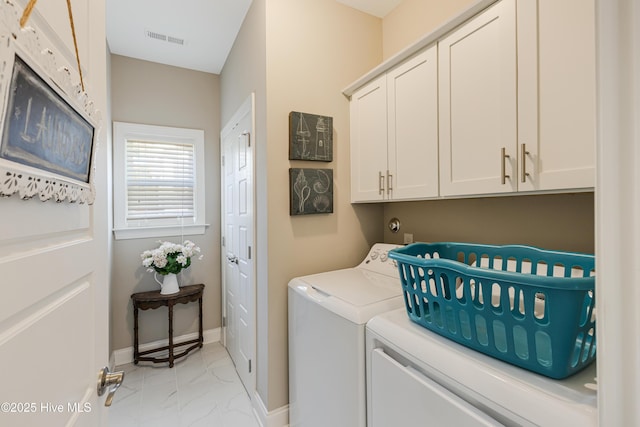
(557,93)
(394,133)
(368,110)
(412,101)
(478,104)
(505,103)
(517,111)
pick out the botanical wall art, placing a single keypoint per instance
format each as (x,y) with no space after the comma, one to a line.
(47,120)
(310,137)
(311,191)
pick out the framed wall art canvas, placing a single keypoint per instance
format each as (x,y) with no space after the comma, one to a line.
(311,191)
(310,137)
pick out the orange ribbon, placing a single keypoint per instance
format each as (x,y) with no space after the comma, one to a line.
(25,18)
(27,13)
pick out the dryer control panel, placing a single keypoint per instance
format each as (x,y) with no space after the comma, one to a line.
(378,260)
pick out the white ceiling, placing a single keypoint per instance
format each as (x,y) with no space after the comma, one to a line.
(207,29)
(379,8)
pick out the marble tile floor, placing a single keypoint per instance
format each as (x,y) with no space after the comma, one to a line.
(202,389)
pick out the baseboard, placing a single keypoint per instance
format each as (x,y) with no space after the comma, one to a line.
(125,355)
(276,418)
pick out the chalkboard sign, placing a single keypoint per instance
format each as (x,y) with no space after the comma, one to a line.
(42,130)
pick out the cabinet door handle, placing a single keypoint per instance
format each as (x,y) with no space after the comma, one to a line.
(380,183)
(389,183)
(523,163)
(503,157)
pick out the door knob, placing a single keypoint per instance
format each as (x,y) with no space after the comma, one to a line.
(232,259)
(109,380)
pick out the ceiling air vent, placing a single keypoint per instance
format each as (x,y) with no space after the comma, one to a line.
(164,38)
(175,40)
(156,36)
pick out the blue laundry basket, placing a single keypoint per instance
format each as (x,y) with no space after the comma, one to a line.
(527,306)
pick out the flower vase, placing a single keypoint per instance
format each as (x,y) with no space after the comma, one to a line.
(169,284)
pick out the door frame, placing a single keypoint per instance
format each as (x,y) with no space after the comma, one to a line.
(247,107)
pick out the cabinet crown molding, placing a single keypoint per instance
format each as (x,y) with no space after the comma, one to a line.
(418,45)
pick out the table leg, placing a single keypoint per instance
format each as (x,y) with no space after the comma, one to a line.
(136,351)
(200,336)
(170,335)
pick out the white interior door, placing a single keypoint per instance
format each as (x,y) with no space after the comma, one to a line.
(54,257)
(238,253)
(49,333)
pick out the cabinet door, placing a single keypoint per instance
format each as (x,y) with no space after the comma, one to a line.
(556,93)
(412,97)
(477,81)
(368,109)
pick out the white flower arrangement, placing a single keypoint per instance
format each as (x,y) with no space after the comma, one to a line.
(169,257)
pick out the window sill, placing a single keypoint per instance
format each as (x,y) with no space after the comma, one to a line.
(146,232)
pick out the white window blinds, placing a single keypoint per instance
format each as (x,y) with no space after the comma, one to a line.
(160,180)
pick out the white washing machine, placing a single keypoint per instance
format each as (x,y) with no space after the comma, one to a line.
(417,377)
(327,317)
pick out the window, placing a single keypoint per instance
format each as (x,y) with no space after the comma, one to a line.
(158,181)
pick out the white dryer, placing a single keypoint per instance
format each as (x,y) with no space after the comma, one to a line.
(327,316)
(417,377)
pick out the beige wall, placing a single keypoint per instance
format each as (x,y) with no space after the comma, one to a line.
(560,221)
(314,49)
(149,93)
(414,18)
(244,73)
(306,53)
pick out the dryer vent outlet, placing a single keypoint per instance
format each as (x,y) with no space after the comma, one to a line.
(394,225)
